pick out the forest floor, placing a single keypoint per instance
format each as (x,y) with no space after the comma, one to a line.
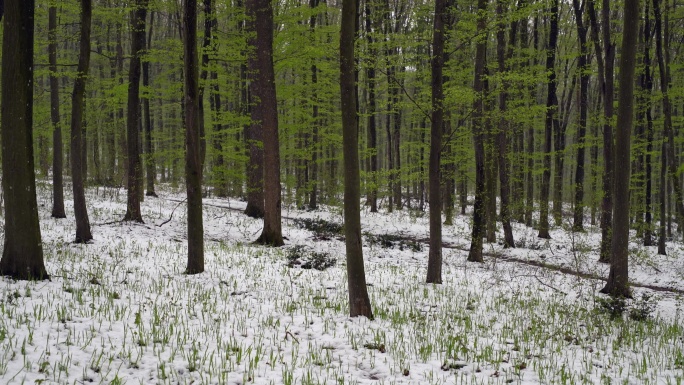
(121,311)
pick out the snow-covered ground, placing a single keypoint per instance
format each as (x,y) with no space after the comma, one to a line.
(121,311)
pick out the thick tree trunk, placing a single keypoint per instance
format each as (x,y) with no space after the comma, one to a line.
(22,256)
(264,91)
(78,159)
(57,156)
(618,282)
(133,212)
(359,302)
(193,152)
(434,270)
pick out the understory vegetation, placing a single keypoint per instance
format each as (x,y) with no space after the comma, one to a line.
(121,311)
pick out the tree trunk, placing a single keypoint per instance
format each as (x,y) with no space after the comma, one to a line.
(253,131)
(133,212)
(264,91)
(584,69)
(551,120)
(193,152)
(151,168)
(359,302)
(434,270)
(618,282)
(648,88)
(57,156)
(78,160)
(663,66)
(22,256)
(504,127)
(475,253)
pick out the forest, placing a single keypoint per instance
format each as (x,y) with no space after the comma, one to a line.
(342,191)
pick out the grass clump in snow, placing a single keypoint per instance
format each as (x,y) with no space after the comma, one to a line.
(302,257)
(389,241)
(322,228)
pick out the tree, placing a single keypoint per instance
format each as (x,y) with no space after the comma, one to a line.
(583,67)
(475,253)
(22,256)
(151,168)
(133,120)
(502,134)
(263,90)
(359,302)
(551,120)
(618,282)
(434,272)
(78,161)
(57,156)
(254,135)
(193,151)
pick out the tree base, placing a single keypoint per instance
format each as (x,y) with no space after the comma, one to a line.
(151,194)
(270,240)
(254,212)
(616,291)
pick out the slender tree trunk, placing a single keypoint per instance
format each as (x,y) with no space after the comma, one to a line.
(663,66)
(313,166)
(133,212)
(529,206)
(22,256)
(264,91)
(551,119)
(475,254)
(83,234)
(359,302)
(151,169)
(434,271)
(504,127)
(57,156)
(193,152)
(605,63)
(618,282)
(254,131)
(583,68)
(647,90)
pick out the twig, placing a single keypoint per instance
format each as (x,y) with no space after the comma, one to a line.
(174,210)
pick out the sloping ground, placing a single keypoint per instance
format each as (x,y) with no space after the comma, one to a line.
(120,310)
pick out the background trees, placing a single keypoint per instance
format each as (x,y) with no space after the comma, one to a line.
(538,126)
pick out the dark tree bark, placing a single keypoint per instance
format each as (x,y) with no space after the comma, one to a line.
(647,83)
(207,47)
(78,159)
(372,128)
(662,235)
(57,156)
(133,212)
(662,55)
(529,194)
(434,270)
(551,120)
(583,68)
(263,89)
(313,164)
(193,151)
(504,124)
(22,256)
(254,131)
(359,302)
(151,168)
(618,282)
(605,62)
(475,253)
